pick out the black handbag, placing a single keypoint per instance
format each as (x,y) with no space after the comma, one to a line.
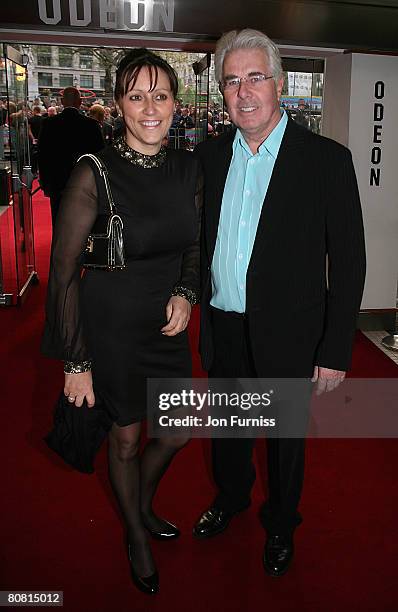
(105,248)
(78,433)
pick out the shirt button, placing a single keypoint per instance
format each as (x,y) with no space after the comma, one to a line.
(247,192)
(243,223)
(240,255)
(241,286)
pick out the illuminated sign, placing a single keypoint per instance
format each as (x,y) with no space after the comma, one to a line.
(20,72)
(147,15)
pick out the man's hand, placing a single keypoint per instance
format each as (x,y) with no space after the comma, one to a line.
(326,379)
(79,386)
(178,313)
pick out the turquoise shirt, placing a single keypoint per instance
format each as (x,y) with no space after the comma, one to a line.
(244,192)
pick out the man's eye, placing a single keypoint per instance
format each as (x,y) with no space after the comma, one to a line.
(255,79)
(232,82)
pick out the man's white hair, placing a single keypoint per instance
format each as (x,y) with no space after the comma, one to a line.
(247,39)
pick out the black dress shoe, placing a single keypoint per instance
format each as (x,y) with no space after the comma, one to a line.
(167,532)
(212,522)
(146,584)
(278,553)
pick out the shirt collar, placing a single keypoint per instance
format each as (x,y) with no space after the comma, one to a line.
(270,145)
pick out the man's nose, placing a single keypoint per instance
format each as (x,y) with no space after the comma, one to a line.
(243,89)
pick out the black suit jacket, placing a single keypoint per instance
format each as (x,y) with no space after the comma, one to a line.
(107,133)
(296,319)
(62,140)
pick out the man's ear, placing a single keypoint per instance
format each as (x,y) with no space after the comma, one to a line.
(279,87)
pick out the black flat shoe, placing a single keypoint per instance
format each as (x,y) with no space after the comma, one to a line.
(278,554)
(167,532)
(212,522)
(146,584)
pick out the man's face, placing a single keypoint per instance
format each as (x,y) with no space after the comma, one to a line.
(253,109)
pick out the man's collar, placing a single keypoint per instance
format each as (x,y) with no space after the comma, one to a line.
(270,145)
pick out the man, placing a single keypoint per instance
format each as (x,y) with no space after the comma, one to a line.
(63,138)
(302,115)
(186,120)
(35,122)
(280,201)
(97,112)
(3,118)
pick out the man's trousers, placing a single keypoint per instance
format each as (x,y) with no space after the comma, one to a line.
(233,468)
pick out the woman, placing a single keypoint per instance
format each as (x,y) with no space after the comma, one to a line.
(114,329)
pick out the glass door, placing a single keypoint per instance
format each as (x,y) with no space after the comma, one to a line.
(17,256)
(202,73)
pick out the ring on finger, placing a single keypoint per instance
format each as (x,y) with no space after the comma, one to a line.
(71,399)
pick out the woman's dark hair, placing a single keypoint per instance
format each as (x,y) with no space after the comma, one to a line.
(130,66)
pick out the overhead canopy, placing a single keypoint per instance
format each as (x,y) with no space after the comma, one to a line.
(348,24)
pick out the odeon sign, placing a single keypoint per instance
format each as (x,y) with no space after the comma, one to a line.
(151,15)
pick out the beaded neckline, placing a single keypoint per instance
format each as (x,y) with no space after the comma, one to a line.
(137,158)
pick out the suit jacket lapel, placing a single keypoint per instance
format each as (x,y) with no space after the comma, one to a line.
(221,163)
(274,210)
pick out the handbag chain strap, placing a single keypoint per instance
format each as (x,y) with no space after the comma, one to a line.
(104,173)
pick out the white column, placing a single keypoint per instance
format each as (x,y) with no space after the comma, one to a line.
(360,111)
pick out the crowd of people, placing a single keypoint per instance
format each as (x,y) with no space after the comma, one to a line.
(184,133)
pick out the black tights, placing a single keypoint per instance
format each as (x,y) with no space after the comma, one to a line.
(134,479)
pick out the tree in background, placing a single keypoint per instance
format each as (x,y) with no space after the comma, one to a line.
(108,60)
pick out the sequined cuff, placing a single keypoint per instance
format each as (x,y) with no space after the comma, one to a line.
(76,367)
(186,293)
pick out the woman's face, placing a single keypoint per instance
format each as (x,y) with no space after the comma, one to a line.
(147,114)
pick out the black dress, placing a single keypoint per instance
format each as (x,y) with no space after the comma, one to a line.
(114,318)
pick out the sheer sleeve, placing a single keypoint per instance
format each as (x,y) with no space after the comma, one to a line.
(63,333)
(189,284)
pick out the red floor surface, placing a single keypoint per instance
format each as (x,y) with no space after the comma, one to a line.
(60,530)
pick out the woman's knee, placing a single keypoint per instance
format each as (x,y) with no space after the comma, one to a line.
(124,442)
(173,442)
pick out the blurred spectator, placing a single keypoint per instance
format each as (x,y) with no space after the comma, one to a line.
(3,119)
(118,127)
(97,112)
(35,122)
(204,124)
(224,125)
(108,117)
(302,113)
(186,120)
(176,116)
(38,102)
(51,112)
(63,138)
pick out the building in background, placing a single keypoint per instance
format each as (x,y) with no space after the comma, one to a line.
(53,68)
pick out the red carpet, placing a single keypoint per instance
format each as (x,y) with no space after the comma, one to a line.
(61,530)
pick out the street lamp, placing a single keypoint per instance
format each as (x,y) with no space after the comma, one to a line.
(25,54)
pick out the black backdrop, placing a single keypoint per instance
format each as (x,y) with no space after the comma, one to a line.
(366,24)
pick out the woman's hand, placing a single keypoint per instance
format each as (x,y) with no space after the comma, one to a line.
(79,386)
(178,313)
